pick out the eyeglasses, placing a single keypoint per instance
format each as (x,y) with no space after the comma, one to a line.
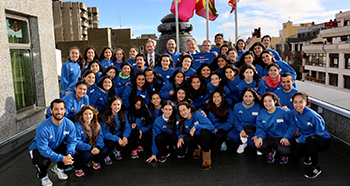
(218,38)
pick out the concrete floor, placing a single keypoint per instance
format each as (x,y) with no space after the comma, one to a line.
(228,168)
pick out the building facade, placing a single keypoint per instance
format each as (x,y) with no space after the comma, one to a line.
(328,62)
(28,62)
(72,20)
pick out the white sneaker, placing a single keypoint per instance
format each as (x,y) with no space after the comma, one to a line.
(59,172)
(241,148)
(259,153)
(45,181)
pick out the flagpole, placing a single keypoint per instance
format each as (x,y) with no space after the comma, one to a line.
(207,4)
(236,27)
(177,26)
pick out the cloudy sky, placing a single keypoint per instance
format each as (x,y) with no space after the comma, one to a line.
(143,16)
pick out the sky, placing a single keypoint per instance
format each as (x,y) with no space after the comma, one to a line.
(143,16)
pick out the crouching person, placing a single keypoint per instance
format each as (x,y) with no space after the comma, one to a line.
(55,139)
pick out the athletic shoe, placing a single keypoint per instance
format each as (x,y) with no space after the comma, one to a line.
(313,173)
(59,172)
(162,159)
(223,146)
(68,169)
(96,166)
(117,155)
(271,156)
(134,154)
(307,161)
(45,181)
(180,157)
(241,148)
(283,160)
(140,148)
(108,161)
(259,153)
(79,173)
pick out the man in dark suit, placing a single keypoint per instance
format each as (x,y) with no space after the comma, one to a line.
(151,57)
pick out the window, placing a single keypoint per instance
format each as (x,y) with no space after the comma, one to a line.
(21,60)
(333,79)
(316,59)
(347,61)
(333,60)
(347,82)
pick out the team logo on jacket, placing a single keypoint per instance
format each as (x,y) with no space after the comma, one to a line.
(177,122)
(91,91)
(196,123)
(263,121)
(241,112)
(66,132)
(164,126)
(255,113)
(51,136)
(71,69)
(168,76)
(309,124)
(143,96)
(280,120)
(72,108)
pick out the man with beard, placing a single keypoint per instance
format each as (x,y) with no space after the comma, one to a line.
(54,139)
(140,63)
(175,55)
(286,93)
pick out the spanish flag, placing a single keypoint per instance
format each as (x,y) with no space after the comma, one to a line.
(201,9)
(185,9)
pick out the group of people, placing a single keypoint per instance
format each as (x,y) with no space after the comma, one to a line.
(181,103)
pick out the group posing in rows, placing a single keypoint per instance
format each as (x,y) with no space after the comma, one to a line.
(110,105)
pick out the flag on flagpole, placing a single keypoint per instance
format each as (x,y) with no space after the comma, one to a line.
(185,9)
(201,9)
(232,4)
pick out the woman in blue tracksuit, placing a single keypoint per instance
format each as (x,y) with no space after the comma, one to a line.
(90,144)
(89,78)
(139,87)
(125,76)
(240,48)
(99,98)
(198,131)
(221,116)
(186,66)
(197,91)
(95,67)
(90,54)
(133,51)
(216,83)
(115,128)
(251,79)
(154,106)
(204,72)
(248,58)
(267,58)
(71,71)
(141,124)
(274,129)
(118,58)
(231,76)
(219,63)
(166,133)
(74,101)
(244,119)
(106,58)
(153,79)
(314,136)
(111,71)
(175,81)
(273,80)
(165,67)
(180,96)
